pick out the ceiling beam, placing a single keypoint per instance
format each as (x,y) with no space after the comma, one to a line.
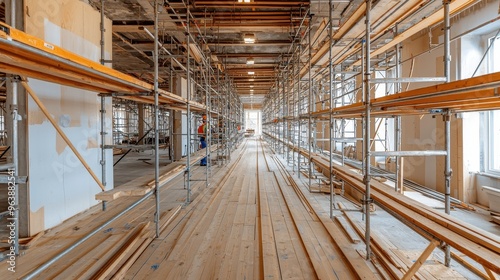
(257,43)
(250,5)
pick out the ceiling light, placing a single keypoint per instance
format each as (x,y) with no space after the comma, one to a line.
(251,86)
(244,1)
(249,38)
(251,73)
(251,90)
(250,60)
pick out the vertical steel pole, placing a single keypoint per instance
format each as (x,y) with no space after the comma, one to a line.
(343,122)
(209,131)
(188,151)
(330,66)
(157,156)
(447,116)
(397,143)
(310,108)
(298,109)
(366,141)
(103,110)
(284,113)
(14,141)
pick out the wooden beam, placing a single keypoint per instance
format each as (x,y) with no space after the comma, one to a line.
(469,266)
(490,274)
(61,133)
(478,244)
(348,229)
(423,257)
(131,28)
(106,269)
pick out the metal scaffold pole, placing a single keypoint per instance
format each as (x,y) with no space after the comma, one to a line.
(330,90)
(309,107)
(366,140)
(209,131)
(14,172)
(283,112)
(298,109)
(398,186)
(157,156)
(188,117)
(103,111)
(447,117)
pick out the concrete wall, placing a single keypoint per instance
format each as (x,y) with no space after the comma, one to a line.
(60,186)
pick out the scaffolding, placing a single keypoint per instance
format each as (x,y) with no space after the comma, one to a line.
(142,112)
(349,105)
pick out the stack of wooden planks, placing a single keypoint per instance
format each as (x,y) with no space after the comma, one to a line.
(481,246)
(111,252)
(138,187)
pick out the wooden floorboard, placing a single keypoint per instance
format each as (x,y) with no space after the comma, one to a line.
(250,223)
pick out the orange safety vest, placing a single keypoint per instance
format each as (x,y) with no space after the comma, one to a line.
(201,129)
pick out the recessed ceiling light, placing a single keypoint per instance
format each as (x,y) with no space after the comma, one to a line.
(251,73)
(244,1)
(250,60)
(251,86)
(251,90)
(249,38)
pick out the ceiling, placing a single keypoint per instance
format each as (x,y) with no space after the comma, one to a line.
(218,26)
(281,30)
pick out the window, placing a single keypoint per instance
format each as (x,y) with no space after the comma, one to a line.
(491,119)
(493,155)
(494,54)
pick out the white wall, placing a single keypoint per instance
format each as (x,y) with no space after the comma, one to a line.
(60,186)
(473,47)
(427,133)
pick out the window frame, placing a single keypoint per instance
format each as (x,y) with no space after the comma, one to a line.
(490,145)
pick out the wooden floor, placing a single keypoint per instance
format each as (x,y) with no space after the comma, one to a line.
(249,227)
(252,222)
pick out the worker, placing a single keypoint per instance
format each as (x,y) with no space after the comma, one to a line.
(202,132)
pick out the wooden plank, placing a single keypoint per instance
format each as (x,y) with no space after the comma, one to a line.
(120,274)
(103,272)
(269,259)
(46,47)
(80,261)
(348,229)
(167,176)
(172,214)
(490,274)
(468,265)
(61,133)
(423,257)
(289,262)
(314,239)
(451,229)
(495,219)
(137,187)
(32,240)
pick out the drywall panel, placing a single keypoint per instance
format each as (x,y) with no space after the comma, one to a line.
(60,186)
